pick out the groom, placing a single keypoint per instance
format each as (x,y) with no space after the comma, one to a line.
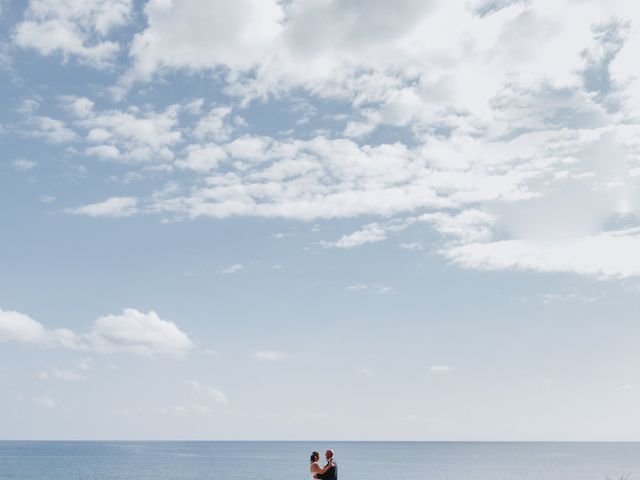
(332,473)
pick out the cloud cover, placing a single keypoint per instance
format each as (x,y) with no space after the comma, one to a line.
(518,128)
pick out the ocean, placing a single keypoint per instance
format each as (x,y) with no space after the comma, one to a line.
(289,460)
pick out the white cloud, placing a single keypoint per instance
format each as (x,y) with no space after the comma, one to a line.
(134,135)
(132,332)
(371,287)
(73,28)
(235,268)
(112,207)
(140,333)
(202,158)
(50,130)
(43,402)
(64,374)
(269,355)
(603,255)
(411,245)
(23,164)
(364,371)
(499,145)
(440,368)
(194,34)
(370,233)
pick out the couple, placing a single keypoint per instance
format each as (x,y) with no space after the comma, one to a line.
(329,471)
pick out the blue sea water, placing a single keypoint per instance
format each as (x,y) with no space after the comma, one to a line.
(289,460)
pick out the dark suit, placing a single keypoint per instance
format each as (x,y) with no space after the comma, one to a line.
(331,474)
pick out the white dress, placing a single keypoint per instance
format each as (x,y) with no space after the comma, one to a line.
(312,473)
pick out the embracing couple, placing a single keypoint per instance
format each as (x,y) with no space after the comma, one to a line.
(329,471)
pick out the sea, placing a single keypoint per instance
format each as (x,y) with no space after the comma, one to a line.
(289,460)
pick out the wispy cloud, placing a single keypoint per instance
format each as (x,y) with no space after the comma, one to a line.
(269,355)
(112,207)
(231,269)
(371,288)
(440,368)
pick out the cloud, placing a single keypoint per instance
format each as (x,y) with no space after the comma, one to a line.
(139,333)
(364,371)
(206,400)
(131,332)
(23,164)
(371,287)
(50,130)
(440,368)
(43,402)
(112,207)
(127,136)
(514,151)
(370,233)
(235,268)
(202,158)
(604,255)
(74,373)
(269,355)
(411,245)
(74,29)
(200,35)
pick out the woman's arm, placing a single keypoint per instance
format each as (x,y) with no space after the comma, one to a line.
(323,470)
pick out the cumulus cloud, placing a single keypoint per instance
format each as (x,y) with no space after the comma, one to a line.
(132,332)
(74,29)
(128,136)
(50,129)
(517,124)
(194,34)
(111,207)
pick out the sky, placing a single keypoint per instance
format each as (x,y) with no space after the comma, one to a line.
(320,219)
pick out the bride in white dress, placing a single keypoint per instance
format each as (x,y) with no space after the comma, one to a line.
(314,468)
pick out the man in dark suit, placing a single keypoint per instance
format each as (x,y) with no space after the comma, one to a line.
(332,473)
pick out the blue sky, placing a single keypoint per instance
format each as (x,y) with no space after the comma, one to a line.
(319,220)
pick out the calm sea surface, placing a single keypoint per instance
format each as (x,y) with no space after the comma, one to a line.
(288,460)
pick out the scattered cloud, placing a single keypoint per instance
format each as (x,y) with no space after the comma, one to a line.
(131,332)
(364,371)
(74,29)
(371,287)
(269,356)
(112,207)
(23,164)
(49,129)
(38,402)
(231,269)
(76,372)
(205,400)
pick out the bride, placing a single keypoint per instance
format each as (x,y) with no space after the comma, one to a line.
(314,468)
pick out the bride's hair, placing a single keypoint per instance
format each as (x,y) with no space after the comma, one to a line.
(315,456)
